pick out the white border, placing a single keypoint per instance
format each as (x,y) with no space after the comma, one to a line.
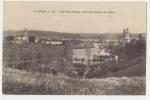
(106,97)
(1,11)
(86,0)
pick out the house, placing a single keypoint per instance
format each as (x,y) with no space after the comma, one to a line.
(50,42)
(90,55)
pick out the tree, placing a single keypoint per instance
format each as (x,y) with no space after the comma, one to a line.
(31,39)
(83,59)
(10,38)
(131,50)
(68,50)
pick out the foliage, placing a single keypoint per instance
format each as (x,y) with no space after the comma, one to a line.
(132,50)
(9,38)
(80,68)
(31,39)
(39,57)
(23,82)
(132,54)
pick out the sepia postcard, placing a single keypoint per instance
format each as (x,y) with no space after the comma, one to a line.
(74,48)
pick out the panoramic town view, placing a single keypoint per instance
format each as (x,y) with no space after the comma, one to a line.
(45,62)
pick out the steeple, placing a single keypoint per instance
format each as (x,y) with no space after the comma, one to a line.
(25,32)
(127,30)
(126,36)
(124,30)
(25,38)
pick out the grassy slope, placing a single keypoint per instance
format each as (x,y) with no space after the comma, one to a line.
(22,82)
(137,69)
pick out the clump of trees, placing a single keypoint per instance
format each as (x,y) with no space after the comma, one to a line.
(31,39)
(129,55)
(9,38)
(132,50)
(40,57)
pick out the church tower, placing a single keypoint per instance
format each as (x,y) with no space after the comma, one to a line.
(25,37)
(126,37)
(25,32)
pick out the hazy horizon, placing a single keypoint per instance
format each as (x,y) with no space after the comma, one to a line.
(119,33)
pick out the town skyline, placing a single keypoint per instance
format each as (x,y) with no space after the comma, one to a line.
(119,33)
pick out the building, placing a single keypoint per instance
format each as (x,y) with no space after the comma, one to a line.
(90,56)
(22,38)
(125,37)
(50,42)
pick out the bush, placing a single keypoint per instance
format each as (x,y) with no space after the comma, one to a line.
(80,69)
(23,82)
(31,39)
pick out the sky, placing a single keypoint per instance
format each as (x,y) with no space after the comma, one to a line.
(99,17)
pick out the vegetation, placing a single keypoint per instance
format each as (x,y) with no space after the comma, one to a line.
(32,39)
(132,57)
(46,69)
(131,50)
(23,82)
(39,58)
(9,38)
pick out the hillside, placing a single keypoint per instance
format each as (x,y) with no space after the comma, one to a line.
(23,82)
(138,69)
(40,33)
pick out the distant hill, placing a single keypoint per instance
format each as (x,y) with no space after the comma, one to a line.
(40,33)
(65,35)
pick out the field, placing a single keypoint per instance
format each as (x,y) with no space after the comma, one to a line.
(23,82)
